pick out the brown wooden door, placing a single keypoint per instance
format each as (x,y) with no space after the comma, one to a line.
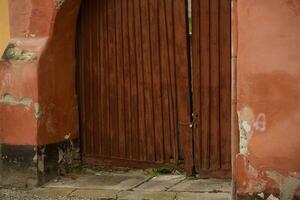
(211,45)
(134,82)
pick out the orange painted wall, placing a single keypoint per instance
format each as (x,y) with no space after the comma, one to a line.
(47,29)
(268,95)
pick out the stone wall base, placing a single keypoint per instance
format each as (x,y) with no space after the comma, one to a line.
(31,166)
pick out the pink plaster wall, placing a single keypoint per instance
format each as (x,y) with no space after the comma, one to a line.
(268,95)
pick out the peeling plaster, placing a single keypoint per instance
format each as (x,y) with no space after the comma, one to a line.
(248,124)
(245,130)
(288,184)
(245,117)
(59,3)
(37,110)
(255,184)
(259,181)
(16,54)
(289,187)
(11,100)
(271,197)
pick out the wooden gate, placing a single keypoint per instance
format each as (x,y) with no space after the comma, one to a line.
(142,103)
(133,81)
(212,87)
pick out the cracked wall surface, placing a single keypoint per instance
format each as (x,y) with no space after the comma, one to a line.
(268,98)
(38,102)
(38,74)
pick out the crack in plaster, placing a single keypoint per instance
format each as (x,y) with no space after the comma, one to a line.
(11,100)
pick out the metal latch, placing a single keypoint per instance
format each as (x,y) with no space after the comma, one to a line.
(191,124)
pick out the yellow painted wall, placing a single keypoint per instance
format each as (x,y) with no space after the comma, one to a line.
(4,25)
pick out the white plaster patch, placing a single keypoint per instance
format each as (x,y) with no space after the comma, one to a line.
(59,3)
(11,100)
(245,130)
(246,119)
(271,197)
(261,195)
(246,126)
(37,110)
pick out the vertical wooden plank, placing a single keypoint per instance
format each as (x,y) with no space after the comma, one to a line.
(120,79)
(81,47)
(196,52)
(182,80)
(172,73)
(140,81)
(205,81)
(113,93)
(156,79)
(211,74)
(97,119)
(225,82)
(86,83)
(166,86)
(148,80)
(110,76)
(102,77)
(93,79)
(106,96)
(214,87)
(133,81)
(89,62)
(127,102)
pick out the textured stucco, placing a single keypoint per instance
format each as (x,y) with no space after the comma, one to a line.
(38,105)
(268,96)
(39,65)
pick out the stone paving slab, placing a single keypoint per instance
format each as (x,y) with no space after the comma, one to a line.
(160,183)
(52,193)
(101,181)
(95,194)
(203,185)
(203,196)
(139,195)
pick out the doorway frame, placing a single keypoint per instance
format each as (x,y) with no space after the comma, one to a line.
(234,117)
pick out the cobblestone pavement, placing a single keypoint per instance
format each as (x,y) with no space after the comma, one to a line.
(124,185)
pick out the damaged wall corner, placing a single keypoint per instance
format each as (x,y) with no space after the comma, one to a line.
(268,99)
(38,102)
